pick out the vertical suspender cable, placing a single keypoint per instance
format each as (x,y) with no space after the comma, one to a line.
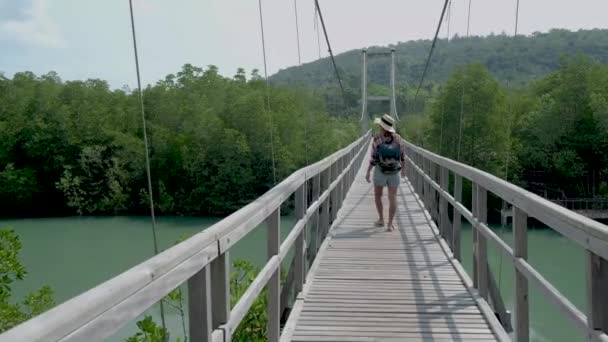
(295,7)
(274,172)
(460,120)
(143,119)
(508,157)
(316,27)
(449,14)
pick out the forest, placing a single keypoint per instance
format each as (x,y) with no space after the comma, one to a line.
(515,61)
(550,137)
(76,147)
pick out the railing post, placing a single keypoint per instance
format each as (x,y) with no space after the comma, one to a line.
(419,178)
(482,248)
(433,193)
(199,306)
(520,239)
(425,185)
(456,221)
(273,244)
(474,232)
(597,293)
(314,239)
(220,290)
(324,220)
(443,206)
(333,170)
(300,262)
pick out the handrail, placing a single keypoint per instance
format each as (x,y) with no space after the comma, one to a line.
(203,261)
(422,171)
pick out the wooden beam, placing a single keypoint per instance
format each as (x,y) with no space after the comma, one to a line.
(273,244)
(443,206)
(482,248)
(220,289)
(199,306)
(597,293)
(520,250)
(300,260)
(474,234)
(456,221)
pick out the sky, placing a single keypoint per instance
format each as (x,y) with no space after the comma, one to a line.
(82,39)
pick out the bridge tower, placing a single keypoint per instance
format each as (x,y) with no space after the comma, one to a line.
(365,98)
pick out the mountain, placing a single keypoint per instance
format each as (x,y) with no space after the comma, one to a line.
(517,60)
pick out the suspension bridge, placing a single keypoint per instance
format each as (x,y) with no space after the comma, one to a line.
(346,279)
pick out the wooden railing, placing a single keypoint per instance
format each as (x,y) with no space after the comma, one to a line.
(431,175)
(583,203)
(203,262)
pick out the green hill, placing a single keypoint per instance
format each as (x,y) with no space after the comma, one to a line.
(516,60)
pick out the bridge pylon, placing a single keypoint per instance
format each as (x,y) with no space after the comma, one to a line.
(365,98)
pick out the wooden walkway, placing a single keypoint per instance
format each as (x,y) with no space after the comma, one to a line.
(372,285)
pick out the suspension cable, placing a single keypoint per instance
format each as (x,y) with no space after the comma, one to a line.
(267,107)
(316,27)
(295,6)
(449,14)
(508,156)
(331,54)
(428,60)
(460,119)
(148,173)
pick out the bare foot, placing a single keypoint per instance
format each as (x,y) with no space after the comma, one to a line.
(379,223)
(390,228)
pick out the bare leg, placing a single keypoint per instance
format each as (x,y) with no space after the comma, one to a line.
(392,205)
(378,198)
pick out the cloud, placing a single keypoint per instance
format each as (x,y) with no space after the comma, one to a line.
(34,27)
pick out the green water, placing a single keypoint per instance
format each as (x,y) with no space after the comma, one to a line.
(74,254)
(559,260)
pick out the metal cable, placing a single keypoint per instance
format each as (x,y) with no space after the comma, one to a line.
(316,27)
(428,60)
(148,174)
(274,172)
(449,14)
(331,54)
(295,6)
(460,119)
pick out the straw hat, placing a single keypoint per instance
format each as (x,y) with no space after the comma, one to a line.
(387,122)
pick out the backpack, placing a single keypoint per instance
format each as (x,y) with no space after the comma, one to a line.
(389,156)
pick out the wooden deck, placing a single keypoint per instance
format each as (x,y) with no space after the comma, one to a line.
(371,285)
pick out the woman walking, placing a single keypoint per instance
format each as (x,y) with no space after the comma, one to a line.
(387,160)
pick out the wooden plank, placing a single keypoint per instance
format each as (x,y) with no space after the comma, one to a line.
(274,283)
(443,207)
(520,250)
(474,235)
(482,248)
(370,283)
(220,289)
(597,292)
(300,260)
(456,221)
(199,306)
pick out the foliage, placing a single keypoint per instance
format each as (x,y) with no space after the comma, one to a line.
(550,137)
(13,312)
(252,327)
(149,332)
(76,146)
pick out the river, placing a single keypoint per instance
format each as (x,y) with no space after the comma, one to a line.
(74,254)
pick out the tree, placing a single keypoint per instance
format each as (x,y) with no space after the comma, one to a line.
(13,312)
